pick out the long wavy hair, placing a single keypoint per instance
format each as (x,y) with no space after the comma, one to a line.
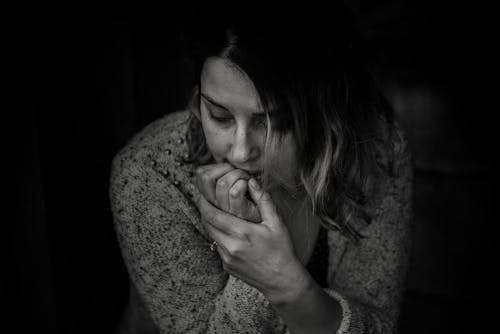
(308,70)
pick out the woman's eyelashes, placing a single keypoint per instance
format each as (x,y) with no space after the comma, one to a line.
(220,118)
(225,118)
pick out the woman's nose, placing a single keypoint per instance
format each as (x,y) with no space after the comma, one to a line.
(244,148)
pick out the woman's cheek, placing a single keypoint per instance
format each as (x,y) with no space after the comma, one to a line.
(284,162)
(216,142)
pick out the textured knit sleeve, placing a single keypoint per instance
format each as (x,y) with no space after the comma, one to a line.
(180,282)
(167,258)
(368,278)
(163,245)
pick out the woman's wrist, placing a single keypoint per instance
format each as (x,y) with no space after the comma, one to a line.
(323,314)
(297,281)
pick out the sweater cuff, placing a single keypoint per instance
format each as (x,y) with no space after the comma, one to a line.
(346,311)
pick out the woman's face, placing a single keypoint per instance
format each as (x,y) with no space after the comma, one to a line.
(235,124)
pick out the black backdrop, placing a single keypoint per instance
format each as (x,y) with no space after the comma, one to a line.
(85,82)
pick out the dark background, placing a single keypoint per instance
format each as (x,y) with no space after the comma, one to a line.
(85,82)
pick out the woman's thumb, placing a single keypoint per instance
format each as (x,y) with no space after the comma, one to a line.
(264,202)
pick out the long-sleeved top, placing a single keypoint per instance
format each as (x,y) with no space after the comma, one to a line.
(178,285)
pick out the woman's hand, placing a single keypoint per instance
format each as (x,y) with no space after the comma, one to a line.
(262,254)
(225,187)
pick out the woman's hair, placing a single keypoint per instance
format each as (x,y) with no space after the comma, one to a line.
(310,77)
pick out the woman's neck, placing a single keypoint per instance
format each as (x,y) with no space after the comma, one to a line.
(302,225)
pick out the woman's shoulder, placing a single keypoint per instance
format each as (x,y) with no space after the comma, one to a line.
(164,134)
(160,147)
(153,162)
(166,129)
(392,149)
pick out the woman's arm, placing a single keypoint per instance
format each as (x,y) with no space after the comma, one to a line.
(168,260)
(366,280)
(184,287)
(179,280)
(365,288)
(309,309)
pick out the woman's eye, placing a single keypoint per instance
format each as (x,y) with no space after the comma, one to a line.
(220,118)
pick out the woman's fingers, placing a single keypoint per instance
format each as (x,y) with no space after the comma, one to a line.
(222,239)
(221,220)
(206,178)
(236,196)
(240,206)
(225,185)
(265,204)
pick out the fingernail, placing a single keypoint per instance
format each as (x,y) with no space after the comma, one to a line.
(234,193)
(254,184)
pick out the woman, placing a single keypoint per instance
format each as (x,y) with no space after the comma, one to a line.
(279,201)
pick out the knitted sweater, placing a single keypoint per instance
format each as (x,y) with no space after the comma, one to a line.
(177,285)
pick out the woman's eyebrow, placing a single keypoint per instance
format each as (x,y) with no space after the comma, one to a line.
(212,101)
(220,105)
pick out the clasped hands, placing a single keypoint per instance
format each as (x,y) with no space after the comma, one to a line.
(253,242)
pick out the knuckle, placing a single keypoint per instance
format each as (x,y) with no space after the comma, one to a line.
(235,191)
(232,252)
(242,183)
(204,177)
(226,165)
(241,236)
(235,173)
(221,183)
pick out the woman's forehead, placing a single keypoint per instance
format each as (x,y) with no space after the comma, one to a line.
(227,85)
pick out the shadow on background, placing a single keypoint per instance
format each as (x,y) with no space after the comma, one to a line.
(88,82)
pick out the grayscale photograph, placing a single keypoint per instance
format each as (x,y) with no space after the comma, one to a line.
(254,167)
